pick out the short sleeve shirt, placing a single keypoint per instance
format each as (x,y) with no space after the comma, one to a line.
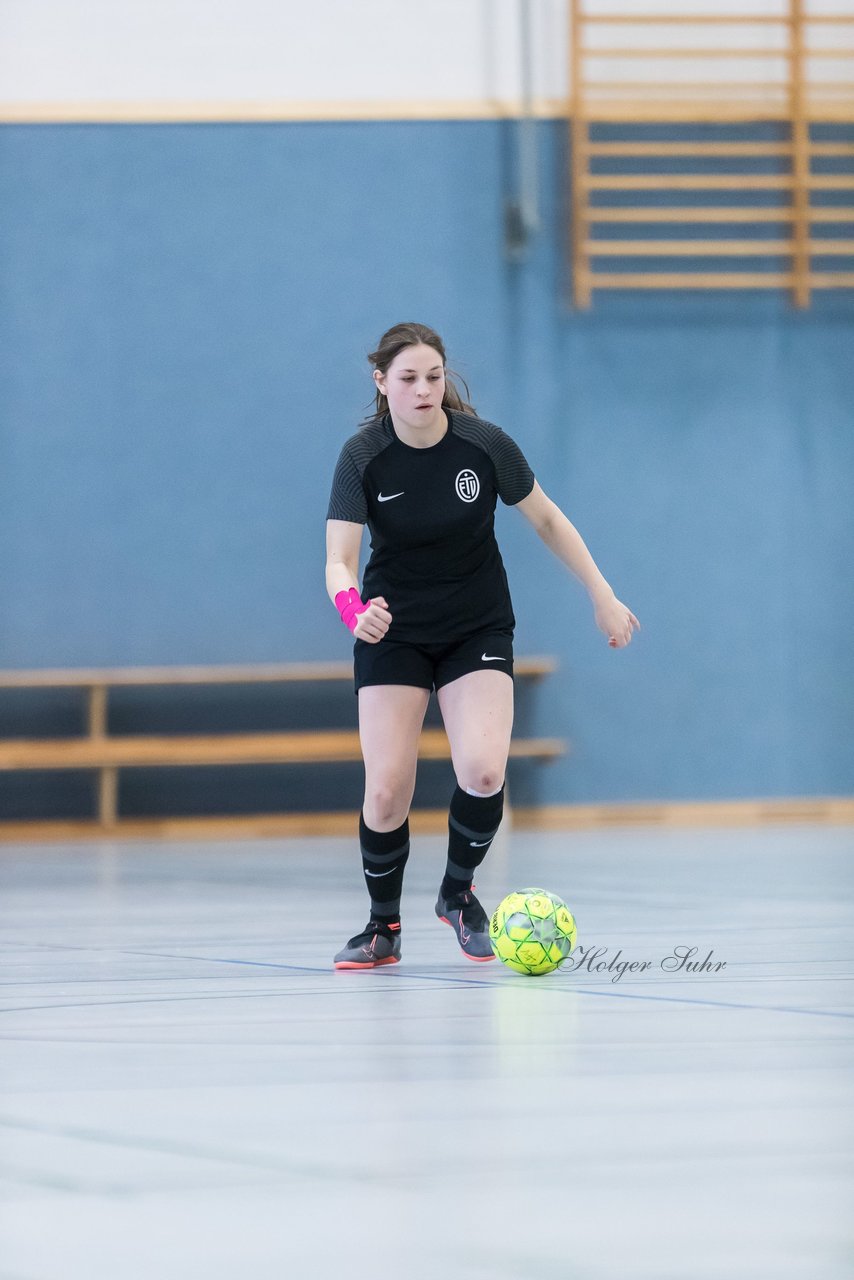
(430,513)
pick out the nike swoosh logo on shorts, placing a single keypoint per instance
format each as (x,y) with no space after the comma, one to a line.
(375,874)
(388,496)
(491,658)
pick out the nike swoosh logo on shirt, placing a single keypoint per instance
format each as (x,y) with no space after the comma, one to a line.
(388,496)
(491,658)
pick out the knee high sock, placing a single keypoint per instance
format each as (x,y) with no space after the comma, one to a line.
(472,823)
(384,855)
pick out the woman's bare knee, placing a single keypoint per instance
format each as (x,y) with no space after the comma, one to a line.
(484,778)
(386,805)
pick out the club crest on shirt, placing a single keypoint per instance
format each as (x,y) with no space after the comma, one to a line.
(467,485)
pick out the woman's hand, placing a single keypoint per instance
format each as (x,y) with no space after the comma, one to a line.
(615,620)
(374,621)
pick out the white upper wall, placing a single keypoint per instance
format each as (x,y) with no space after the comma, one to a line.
(276,50)
(337,52)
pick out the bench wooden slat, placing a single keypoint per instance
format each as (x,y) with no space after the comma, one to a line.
(61,678)
(263,673)
(248,748)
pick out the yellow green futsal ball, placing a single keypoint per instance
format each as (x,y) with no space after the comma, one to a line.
(532,931)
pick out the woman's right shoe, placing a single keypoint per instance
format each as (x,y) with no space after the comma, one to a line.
(377,944)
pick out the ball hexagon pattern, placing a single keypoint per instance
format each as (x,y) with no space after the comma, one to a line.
(532,931)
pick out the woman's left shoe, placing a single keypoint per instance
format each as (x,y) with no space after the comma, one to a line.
(469,921)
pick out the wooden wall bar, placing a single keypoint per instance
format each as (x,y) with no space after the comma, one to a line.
(796,99)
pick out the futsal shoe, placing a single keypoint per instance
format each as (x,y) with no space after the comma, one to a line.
(469,921)
(377,944)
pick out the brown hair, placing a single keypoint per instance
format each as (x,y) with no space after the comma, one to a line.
(397,339)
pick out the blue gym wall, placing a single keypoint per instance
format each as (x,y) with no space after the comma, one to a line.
(183,328)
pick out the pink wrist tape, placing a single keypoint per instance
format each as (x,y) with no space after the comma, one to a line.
(350,604)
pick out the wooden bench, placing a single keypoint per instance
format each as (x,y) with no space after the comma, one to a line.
(107,753)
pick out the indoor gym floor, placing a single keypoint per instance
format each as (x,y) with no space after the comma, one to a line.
(191,1091)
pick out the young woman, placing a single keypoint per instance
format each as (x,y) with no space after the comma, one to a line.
(424,473)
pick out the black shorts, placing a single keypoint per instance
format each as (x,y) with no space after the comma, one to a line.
(429,666)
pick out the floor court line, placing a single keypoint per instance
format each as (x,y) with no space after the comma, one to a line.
(408,976)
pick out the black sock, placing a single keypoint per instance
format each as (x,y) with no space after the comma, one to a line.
(384,855)
(472,824)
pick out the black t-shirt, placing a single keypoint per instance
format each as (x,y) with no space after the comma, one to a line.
(431,516)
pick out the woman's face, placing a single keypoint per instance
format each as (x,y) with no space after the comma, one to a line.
(414,385)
